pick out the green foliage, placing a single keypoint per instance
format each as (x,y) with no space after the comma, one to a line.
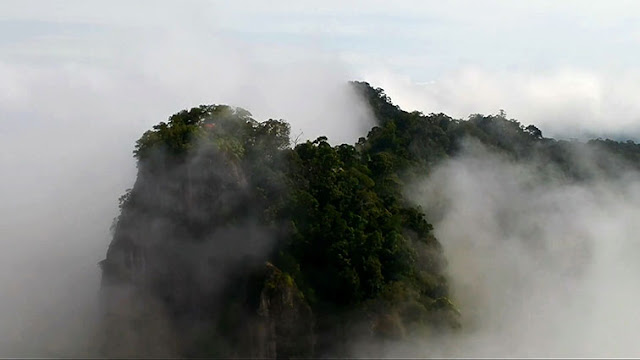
(346,235)
(228,128)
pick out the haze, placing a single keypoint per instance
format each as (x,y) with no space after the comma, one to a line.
(82,80)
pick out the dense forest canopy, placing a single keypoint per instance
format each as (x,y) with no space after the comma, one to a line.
(220,194)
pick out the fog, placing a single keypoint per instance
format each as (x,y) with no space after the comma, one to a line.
(538,265)
(565,102)
(538,268)
(68,129)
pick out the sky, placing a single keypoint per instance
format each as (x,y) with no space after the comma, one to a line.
(567,66)
(80,80)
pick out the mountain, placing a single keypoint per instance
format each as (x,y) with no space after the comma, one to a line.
(233,243)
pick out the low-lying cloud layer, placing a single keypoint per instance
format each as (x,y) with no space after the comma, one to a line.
(539,267)
(68,128)
(76,96)
(562,103)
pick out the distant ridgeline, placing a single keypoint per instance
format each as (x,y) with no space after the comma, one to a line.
(233,243)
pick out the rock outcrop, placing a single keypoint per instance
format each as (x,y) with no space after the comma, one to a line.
(224,215)
(285,318)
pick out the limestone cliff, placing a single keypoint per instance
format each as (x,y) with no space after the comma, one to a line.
(233,244)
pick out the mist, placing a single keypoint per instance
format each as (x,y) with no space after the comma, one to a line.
(68,128)
(539,265)
(564,102)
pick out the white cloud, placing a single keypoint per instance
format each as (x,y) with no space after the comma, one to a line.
(542,267)
(564,103)
(72,106)
(115,12)
(68,124)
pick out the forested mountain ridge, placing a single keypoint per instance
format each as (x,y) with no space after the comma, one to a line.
(234,243)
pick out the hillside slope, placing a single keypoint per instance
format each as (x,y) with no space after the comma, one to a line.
(232,243)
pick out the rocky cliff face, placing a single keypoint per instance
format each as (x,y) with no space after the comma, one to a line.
(188,237)
(224,215)
(286,318)
(278,323)
(167,279)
